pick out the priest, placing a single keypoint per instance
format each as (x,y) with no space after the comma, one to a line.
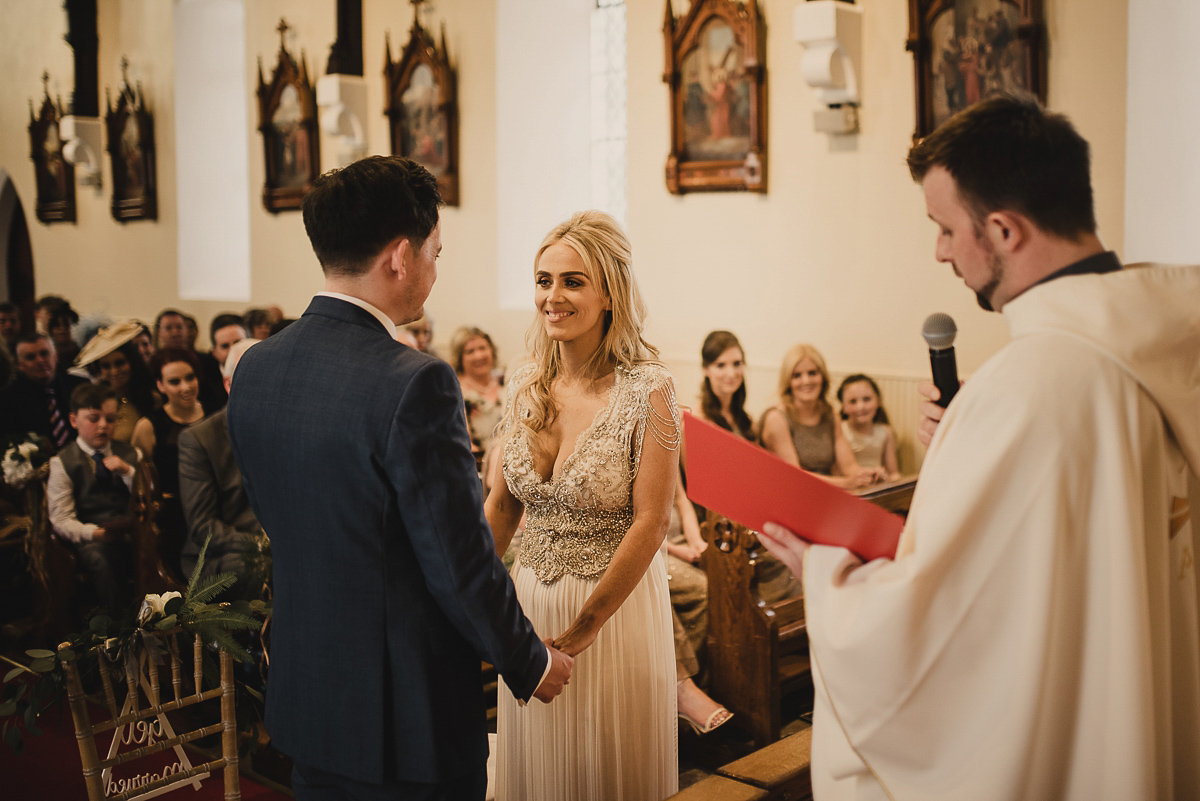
(1036,635)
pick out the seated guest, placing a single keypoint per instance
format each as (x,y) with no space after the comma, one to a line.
(214,501)
(157,435)
(112,358)
(473,355)
(193,330)
(688,586)
(865,424)
(88,494)
(801,429)
(10,326)
(723,403)
(62,319)
(170,330)
(280,324)
(225,331)
(145,343)
(422,329)
(257,323)
(42,310)
(8,367)
(39,398)
(173,331)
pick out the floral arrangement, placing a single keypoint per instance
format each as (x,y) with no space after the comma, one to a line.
(24,456)
(122,642)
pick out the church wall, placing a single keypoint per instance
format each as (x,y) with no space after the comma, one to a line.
(838,252)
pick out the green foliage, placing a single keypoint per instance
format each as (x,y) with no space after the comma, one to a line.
(29,691)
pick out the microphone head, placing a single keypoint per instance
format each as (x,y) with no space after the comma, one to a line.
(939,331)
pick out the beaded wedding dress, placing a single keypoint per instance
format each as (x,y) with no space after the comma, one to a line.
(612,733)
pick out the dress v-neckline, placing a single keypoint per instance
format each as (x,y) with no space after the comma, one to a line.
(580,439)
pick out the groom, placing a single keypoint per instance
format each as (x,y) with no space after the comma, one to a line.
(356,458)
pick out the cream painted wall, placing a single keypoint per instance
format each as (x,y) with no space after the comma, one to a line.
(838,253)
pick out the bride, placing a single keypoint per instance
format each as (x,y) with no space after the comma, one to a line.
(589,457)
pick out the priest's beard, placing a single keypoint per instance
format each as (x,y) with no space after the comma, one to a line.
(984,295)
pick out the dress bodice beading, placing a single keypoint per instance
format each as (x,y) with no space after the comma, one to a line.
(575,521)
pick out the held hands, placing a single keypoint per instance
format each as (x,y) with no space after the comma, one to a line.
(685,551)
(785,546)
(558,677)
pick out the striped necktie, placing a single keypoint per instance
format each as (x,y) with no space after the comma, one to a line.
(59,432)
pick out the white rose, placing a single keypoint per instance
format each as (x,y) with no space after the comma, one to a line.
(154,604)
(27,449)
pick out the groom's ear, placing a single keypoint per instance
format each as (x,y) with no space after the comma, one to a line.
(398,256)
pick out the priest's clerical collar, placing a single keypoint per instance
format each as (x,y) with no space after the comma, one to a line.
(1106,262)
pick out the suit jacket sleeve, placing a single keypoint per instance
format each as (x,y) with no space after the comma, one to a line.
(199,494)
(438,492)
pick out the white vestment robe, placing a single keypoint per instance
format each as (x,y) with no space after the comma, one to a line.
(1036,635)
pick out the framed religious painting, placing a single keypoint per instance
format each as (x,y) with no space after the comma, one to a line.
(130,128)
(966,50)
(287,120)
(55,177)
(422,107)
(717,83)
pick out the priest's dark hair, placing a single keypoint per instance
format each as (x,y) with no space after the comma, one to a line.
(353,213)
(1008,153)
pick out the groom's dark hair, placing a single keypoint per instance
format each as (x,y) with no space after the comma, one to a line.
(352,213)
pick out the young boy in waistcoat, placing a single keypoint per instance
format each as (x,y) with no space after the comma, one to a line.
(88,494)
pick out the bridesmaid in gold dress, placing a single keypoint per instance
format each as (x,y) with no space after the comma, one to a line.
(590,441)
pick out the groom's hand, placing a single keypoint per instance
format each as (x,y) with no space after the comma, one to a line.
(557,678)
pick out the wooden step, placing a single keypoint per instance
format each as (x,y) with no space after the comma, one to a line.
(782,768)
(719,788)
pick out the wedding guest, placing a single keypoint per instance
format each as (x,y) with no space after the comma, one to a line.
(170,330)
(422,329)
(688,586)
(722,402)
(42,310)
(801,428)
(257,323)
(62,319)
(214,499)
(88,494)
(112,358)
(473,355)
(723,391)
(145,343)
(175,371)
(193,330)
(38,399)
(225,330)
(10,326)
(865,424)
(279,325)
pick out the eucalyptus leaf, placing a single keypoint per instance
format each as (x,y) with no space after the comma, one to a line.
(7,708)
(13,738)
(43,665)
(172,606)
(39,653)
(12,674)
(66,653)
(99,624)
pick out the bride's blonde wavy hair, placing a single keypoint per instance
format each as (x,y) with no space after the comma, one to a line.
(605,252)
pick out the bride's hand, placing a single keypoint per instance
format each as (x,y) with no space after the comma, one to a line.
(575,639)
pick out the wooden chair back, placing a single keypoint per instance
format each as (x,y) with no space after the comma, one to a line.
(129,723)
(156,552)
(757,650)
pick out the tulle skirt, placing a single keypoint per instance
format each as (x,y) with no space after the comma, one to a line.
(612,735)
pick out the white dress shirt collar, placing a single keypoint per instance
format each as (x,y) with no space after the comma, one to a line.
(88,450)
(383,319)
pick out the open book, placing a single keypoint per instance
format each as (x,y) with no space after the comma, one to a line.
(752,486)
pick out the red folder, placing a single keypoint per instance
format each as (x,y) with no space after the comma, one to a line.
(752,486)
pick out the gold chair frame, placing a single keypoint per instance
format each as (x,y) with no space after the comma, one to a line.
(97,772)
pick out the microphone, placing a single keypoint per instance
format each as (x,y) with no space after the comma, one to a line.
(939,332)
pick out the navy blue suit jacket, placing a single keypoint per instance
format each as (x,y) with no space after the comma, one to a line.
(387,590)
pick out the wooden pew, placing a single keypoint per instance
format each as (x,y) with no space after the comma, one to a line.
(758,652)
(779,772)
